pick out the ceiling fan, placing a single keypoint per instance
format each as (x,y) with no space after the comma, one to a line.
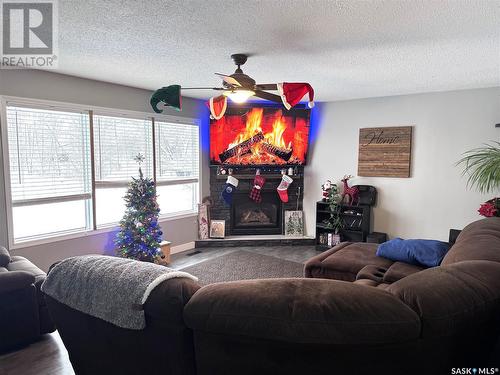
(238,87)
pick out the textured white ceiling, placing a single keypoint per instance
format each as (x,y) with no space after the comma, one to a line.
(345,49)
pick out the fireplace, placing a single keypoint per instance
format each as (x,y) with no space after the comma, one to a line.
(219,210)
(249,217)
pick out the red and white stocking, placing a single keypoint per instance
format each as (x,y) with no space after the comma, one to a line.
(258,183)
(283,188)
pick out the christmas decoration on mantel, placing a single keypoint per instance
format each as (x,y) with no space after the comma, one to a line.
(229,188)
(238,87)
(140,234)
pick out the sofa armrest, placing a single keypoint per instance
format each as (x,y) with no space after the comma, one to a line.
(302,311)
(316,261)
(166,301)
(15,280)
(454,298)
(4,257)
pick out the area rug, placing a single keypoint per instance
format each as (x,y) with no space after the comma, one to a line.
(244,265)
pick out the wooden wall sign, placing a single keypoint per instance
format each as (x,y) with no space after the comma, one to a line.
(385,152)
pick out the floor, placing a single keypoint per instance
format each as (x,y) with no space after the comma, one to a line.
(297,254)
(49,356)
(46,356)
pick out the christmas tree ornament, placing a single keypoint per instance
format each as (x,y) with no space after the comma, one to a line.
(258,184)
(292,93)
(217,106)
(229,188)
(283,187)
(169,95)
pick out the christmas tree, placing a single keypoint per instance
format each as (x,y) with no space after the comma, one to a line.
(140,234)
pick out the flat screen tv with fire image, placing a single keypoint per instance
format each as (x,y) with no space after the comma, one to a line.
(260,136)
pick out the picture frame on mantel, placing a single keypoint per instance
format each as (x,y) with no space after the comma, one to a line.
(385,151)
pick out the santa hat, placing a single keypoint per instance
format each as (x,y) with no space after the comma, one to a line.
(217,106)
(291,93)
(169,95)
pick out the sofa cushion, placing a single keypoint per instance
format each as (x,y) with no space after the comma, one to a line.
(399,270)
(418,252)
(4,256)
(479,240)
(450,298)
(302,311)
(371,272)
(382,277)
(344,261)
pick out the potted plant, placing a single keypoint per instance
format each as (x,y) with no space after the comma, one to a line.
(483,167)
(335,221)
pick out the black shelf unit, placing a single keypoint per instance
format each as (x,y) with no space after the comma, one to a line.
(357,222)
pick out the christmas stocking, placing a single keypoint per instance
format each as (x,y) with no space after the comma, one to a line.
(258,183)
(229,188)
(283,188)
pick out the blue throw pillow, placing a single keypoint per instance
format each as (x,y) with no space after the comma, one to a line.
(427,253)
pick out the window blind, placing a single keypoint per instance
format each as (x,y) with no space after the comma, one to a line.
(177,149)
(117,142)
(49,154)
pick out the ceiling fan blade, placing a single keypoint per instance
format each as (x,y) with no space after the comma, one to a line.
(267,86)
(228,79)
(268,96)
(204,88)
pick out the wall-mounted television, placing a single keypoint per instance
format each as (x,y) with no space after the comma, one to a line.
(258,136)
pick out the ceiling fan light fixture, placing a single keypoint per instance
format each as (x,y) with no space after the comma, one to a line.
(239,96)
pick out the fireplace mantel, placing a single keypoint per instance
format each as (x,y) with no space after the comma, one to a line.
(268,176)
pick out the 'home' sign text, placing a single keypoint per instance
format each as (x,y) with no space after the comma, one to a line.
(385,152)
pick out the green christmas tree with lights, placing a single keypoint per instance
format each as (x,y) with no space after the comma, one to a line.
(140,234)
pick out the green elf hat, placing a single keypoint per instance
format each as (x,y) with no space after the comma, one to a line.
(170,95)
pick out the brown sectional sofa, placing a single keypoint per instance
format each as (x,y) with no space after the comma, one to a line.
(382,317)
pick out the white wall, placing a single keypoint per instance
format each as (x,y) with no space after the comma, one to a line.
(435,198)
(63,88)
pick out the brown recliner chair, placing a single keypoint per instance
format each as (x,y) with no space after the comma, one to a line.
(424,323)
(23,312)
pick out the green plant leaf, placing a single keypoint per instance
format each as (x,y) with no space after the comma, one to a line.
(482,165)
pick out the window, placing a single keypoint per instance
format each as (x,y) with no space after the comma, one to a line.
(177,167)
(117,142)
(53,189)
(50,184)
